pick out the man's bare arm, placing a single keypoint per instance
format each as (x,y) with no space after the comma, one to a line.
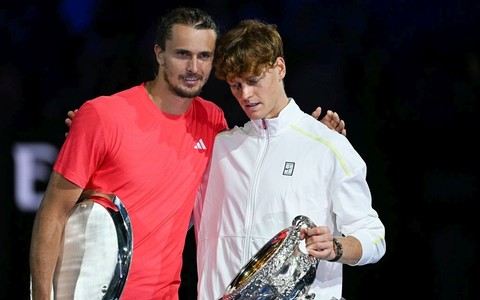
(60,197)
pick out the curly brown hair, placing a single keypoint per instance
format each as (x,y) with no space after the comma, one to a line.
(249,48)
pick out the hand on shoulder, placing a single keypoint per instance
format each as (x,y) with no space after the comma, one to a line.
(332,120)
(68,121)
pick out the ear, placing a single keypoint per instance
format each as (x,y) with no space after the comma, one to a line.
(158,54)
(281,67)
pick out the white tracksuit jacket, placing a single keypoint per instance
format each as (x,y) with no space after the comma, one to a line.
(261,177)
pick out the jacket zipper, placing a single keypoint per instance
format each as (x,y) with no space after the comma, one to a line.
(252,199)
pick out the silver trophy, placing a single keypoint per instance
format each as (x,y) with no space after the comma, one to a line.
(279,270)
(96,252)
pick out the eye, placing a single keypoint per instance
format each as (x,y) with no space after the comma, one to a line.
(205,55)
(234,85)
(253,82)
(183,53)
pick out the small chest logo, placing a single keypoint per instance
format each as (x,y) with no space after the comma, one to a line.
(288,168)
(200,145)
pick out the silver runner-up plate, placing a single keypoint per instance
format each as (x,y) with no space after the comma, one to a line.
(96,254)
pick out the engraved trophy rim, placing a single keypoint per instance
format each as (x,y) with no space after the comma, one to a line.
(123,227)
(266,274)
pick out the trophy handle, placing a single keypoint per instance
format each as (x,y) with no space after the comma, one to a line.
(297,223)
(301,220)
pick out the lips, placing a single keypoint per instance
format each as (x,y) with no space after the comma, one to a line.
(252,108)
(192,78)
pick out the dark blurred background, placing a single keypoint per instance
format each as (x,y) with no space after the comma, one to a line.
(405,75)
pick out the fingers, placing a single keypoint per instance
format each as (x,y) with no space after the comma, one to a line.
(68,121)
(333,121)
(317,112)
(71,113)
(319,242)
(341,128)
(335,118)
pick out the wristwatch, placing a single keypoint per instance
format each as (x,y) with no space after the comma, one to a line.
(338,249)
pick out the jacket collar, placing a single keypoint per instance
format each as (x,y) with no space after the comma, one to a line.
(275,126)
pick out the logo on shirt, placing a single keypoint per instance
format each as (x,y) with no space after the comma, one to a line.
(200,145)
(288,168)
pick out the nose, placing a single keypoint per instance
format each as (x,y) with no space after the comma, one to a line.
(246,92)
(192,65)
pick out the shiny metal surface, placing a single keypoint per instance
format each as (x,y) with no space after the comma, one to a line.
(279,270)
(96,251)
(125,246)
